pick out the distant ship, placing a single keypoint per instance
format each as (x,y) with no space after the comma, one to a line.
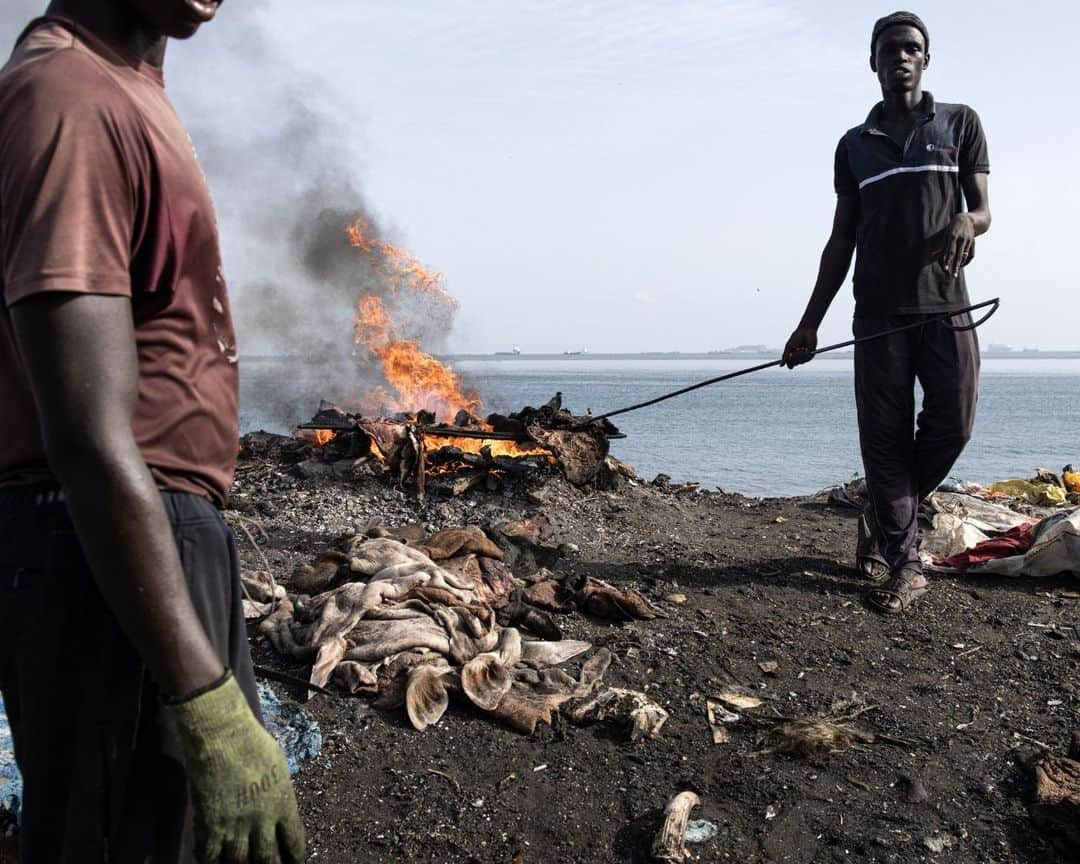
(583,350)
(515,352)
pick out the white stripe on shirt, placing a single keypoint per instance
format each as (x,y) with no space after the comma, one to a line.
(910,169)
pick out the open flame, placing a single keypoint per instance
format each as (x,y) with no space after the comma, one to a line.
(495,448)
(402,271)
(419,381)
(416,379)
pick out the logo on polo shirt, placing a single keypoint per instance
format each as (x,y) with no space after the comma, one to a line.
(941,148)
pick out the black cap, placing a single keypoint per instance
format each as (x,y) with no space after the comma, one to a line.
(899,19)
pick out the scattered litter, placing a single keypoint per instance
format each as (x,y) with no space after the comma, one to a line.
(1041,494)
(10,779)
(292,727)
(719,716)
(738,701)
(1015,541)
(852,494)
(768,667)
(677,599)
(938,843)
(537,768)
(1054,549)
(771,812)
(961,521)
(700,831)
(780,520)
(646,717)
(669,845)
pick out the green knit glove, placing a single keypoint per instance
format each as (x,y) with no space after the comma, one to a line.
(245,809)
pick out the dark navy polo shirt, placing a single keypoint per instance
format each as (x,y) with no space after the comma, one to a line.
(908,195)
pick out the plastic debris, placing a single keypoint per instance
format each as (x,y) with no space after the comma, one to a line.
(938,843)
(719,717)
(700,831)
(1055,550)
(1042,494)
(739,701)
(292,727)
(10,779)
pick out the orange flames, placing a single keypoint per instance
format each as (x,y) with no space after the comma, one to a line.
(402,271)
(415,380)
(418,380)
(496,447)
(322,437)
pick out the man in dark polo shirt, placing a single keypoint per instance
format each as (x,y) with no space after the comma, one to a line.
(903,179)
(124,662)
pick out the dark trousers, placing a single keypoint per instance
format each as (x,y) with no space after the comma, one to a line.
(904,457)
(101,780)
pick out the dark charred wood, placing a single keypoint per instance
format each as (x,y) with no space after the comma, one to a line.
(457,484)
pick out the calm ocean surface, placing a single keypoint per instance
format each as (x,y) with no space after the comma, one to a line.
(777,432)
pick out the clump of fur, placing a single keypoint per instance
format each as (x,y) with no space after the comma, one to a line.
(814,739)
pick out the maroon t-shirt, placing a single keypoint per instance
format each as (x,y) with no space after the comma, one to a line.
(101,193)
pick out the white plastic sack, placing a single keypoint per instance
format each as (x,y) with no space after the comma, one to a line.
(949,535)
(1056,550)
(986,516)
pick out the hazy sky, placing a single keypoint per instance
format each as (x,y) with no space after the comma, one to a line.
(618,175)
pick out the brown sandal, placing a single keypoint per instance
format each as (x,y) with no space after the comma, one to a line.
(898,594)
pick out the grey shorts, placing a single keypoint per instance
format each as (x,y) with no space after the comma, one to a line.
(101,781)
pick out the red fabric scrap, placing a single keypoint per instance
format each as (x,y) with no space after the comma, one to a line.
(1015,541)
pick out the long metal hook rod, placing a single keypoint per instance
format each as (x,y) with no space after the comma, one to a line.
(944,317)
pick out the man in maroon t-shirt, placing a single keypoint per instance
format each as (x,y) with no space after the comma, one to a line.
(124,662)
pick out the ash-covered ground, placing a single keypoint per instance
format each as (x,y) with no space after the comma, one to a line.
(761,598)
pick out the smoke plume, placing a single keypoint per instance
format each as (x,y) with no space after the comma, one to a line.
(285,167)
(287,188)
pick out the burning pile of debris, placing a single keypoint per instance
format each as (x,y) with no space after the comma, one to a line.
(416,619)
(453,458)
(395,413)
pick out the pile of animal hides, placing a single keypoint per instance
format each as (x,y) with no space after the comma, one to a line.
(416,619)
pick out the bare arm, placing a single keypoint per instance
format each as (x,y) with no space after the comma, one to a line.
(965,227)
(835,263)
(79,353)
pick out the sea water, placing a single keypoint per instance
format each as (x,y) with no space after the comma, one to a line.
(776,432)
